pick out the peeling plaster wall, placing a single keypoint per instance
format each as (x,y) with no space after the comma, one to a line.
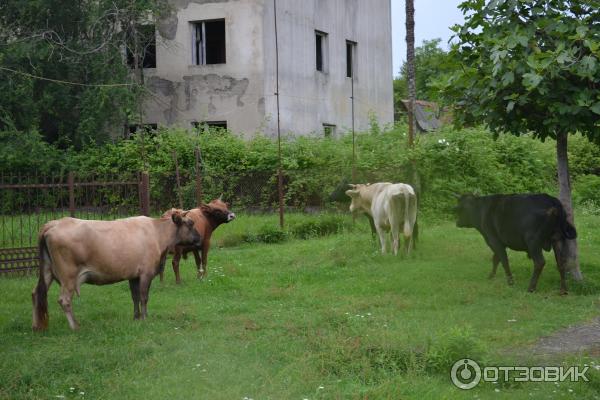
(181,92)
(309,98)
(242,90)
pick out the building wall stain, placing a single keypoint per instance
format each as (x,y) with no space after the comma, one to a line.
(196,89)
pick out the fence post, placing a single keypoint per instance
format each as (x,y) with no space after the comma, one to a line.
(71,184)
(198,176)
(145,194)
(177,179)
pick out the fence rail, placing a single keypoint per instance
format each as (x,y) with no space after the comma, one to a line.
(28,202)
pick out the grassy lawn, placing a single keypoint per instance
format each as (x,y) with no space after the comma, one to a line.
(324,318)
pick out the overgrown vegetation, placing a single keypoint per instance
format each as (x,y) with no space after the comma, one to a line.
(449,162)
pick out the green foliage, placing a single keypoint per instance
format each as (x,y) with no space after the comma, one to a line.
(245,171)
(528,66)
(457,343)
(55,53)
(587,189)
(323,225)
(266,234)
(431,63)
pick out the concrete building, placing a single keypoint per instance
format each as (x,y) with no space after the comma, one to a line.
(216,63)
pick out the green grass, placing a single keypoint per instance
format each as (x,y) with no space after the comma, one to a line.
(280,321)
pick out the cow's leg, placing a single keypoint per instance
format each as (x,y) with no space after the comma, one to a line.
(560,264)
(500,251)
(134,286)
(396,238)
(66,295)
(495,262)
(144,285)
(372,224)
(176,258)
(382,239)
(408,244)
(199,264)
(538,266)
(205,247)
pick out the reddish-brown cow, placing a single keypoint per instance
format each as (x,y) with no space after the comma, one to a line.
(206,219)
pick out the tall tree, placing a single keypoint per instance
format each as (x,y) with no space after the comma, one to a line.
(410,68)
(63,65)
(531,66)
(432,63)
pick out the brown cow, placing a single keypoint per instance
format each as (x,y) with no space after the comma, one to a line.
(74,251)
(206,219)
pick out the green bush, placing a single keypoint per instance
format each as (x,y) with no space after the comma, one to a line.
(266,234)
(458,343)
(322,225)
(449,162)
(587,189)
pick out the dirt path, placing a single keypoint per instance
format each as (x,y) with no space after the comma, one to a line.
(572,340)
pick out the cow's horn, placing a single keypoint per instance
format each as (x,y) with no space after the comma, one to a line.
(221,197)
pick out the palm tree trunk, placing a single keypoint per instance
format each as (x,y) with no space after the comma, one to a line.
(412,92)
(410,65)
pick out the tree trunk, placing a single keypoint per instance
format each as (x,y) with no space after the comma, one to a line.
(410,66)
(412,91)
(571,253)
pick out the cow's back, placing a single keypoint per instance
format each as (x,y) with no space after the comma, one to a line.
(523,220)
(106,246)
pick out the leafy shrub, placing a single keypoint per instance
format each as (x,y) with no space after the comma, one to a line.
(587,189)
(266,234)
(322,226)
(458,343)
(245,171)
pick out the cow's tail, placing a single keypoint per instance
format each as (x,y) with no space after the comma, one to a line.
(39,295)
(568,230)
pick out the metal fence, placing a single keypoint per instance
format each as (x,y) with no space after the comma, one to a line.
(28,202)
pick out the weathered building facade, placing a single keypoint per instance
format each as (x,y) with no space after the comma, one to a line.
(216,63)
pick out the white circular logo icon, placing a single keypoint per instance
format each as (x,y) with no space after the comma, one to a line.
(465,374)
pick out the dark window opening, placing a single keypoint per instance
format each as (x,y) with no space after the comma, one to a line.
(145,37)
(320,50)
(209,42)
(329,130)
(350,58)
(210,125)
(146,128)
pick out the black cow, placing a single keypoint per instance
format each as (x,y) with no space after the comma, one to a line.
(524,222)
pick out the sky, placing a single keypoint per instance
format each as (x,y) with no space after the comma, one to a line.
(432,20)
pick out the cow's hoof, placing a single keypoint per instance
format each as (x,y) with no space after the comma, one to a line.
(510,281)
(492,276)
(563,292)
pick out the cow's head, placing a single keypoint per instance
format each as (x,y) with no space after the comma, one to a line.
(186,233)
(358,203)
(466,211)
(218,211)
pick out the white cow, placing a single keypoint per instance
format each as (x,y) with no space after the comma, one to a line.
(390,205)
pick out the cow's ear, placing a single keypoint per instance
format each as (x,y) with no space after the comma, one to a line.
(177,219)
(205,208)
(352,193)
